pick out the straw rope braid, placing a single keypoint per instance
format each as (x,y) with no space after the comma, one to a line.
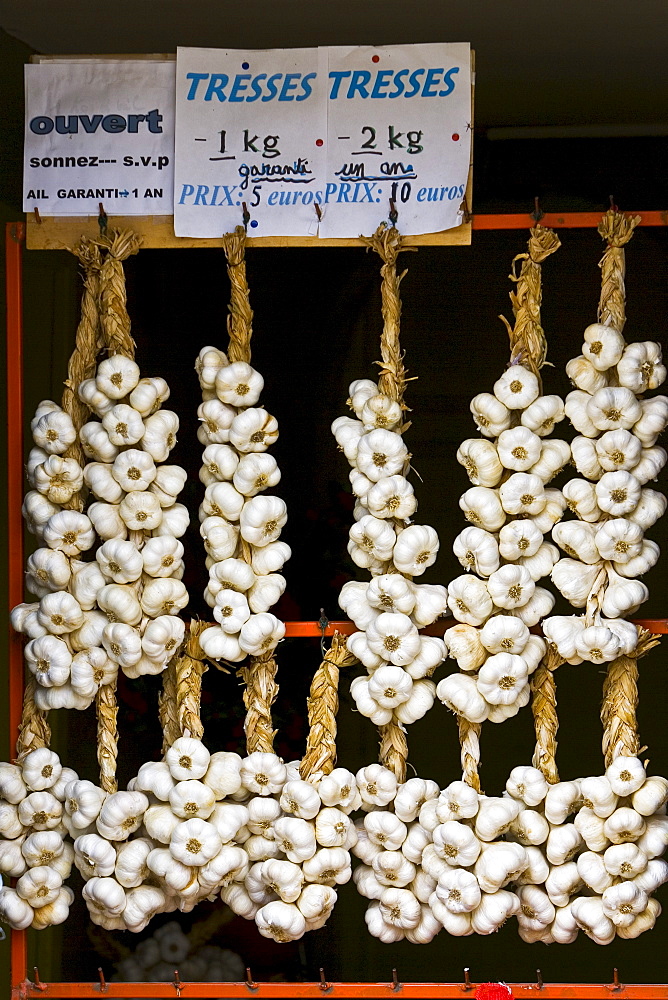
(620,688)
(167,707)
(240,318)
(83,359)
(188,670)
(113,298)
(616,229)
(469,740)
(322,705)
(259,675)
(34,730)
(528,345)
(115,324)
(620,701)
(545,719)
(259,695)
(388,244)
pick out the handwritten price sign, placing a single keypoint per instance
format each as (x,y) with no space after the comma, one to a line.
(399,130)
(250,129)
(327,141)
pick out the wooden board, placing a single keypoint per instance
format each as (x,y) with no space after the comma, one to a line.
(157,231)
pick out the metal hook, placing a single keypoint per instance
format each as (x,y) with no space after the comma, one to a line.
(245,214)
(249,979)
(39,985)
(615,986)
(324,985)
(102,219)
(323,623)
(613,207)
(103,982)
(467,984)
(539,980)
(177,984)
(38,218)
(538,212)
(396,985)
(467,214)
(394,213)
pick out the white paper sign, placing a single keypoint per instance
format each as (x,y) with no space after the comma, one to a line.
(399,129)
(96,133)
(251,128)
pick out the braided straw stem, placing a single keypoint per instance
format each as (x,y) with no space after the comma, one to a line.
(388,244)
(106,708)
(188,670)
(393,752)
(469,740)
(259,695)
(545,720)
(620,701)
(527,338)
(113,299)
(616,229)
(259,675)
(34,729)
(240,318)
(87,346)
(323,704)
(116,338)
(169,720)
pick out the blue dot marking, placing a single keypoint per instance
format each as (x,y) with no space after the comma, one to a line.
(245,65)
(254,224)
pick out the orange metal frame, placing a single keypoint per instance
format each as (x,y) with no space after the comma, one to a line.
(23,988)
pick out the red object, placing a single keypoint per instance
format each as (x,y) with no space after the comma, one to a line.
(560,220)
(493,991)
(14,237)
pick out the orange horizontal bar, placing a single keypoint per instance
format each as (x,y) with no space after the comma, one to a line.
(301,630)
(560,220)
(426,991)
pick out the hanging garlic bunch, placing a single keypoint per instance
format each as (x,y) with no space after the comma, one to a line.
(495,664)
(615,453)
(504,552)
(390,609)
(39,799)
(120,608)
(300,835)
(435,859)
(136,516)
(197,825)
(600,868)
(240,526)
